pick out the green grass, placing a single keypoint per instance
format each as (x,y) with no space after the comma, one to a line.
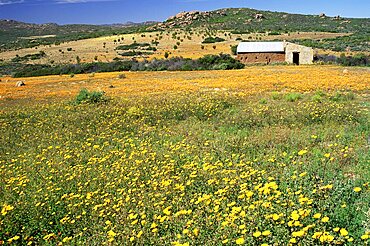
(162,169)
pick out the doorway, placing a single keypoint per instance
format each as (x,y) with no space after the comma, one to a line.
(296,58)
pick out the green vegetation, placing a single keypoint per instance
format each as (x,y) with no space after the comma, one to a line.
(292,97)
(234,49)
(93,97)
(356,60)
(136,49)
(29,57)
(208,62)
(132,46)
(134,53)
(356,42)
(212,167)
(210,40)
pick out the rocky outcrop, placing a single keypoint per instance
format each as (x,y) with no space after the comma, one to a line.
(186,18)
(337,17)
(259,16)
(20,83)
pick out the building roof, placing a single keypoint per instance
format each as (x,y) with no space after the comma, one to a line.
(250,47)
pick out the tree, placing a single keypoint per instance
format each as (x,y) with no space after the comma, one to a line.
(166,55)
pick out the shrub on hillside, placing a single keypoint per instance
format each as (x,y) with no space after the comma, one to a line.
(356,60)
(210,40)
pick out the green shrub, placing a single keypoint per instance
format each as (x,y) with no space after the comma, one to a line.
(317,98)
(263,101)
(210,40)
(292,97)
(338,96)
(276,95)
(132,46)
(135,53)
(85,96)
(233,49)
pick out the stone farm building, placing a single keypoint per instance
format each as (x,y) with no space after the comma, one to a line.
(272,52)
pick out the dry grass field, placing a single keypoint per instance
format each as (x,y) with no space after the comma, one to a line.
(90,49)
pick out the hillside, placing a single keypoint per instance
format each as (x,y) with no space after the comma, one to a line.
(16,35)
(245,20)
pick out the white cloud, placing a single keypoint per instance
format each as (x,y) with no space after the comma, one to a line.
(5,2)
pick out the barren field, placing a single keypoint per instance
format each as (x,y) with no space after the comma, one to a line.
(103,49)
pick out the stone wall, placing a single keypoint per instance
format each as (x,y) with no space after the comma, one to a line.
(305,53)
(261,57)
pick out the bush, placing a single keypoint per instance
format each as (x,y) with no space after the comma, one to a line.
(208,62)
(276,95)
(210,40)
(317,98)
(338,96)
(26,58)
(226,60)
(234,49)
(135,53)
(356,60)
(292,97)
(132,46)
(84,96)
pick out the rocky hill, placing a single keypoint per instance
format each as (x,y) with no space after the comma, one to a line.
(245,20)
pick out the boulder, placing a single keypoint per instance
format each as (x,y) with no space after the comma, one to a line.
(20,83)
(337,17)
(259,16)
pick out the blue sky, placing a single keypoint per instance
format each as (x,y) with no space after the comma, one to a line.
(119,11)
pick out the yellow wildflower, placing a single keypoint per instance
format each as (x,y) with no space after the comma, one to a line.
(357,189)
(343,232)
(240,241)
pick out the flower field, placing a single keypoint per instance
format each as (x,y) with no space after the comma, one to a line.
(261,156)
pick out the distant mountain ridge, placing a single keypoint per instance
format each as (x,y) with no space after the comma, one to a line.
(6,25)
(12,32)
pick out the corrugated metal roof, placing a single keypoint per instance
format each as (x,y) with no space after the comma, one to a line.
(248,47)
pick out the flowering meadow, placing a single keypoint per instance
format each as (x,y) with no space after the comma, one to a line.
(273,165)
